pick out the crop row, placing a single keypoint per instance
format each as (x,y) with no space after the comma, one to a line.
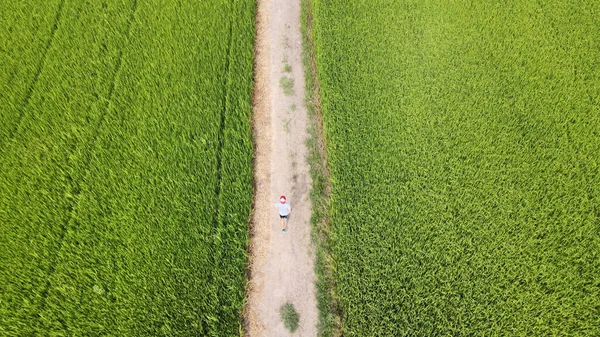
(126,186)
(463,139)
(27,31)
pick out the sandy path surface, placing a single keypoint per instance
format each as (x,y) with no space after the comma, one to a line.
(282,264)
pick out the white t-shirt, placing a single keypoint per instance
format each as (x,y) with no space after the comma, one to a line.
(284,209)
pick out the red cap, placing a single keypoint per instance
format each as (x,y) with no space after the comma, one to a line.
(282,197)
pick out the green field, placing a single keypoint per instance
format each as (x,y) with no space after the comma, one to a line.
(464,144)
(125,176)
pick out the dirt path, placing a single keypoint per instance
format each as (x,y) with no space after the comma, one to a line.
(282,264)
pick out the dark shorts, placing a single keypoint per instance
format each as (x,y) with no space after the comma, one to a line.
(283,216)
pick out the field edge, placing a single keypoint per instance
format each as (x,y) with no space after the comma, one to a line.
(330,315)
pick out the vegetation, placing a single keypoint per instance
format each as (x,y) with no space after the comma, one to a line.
(125,183)
(287,84)
(289,316)
(27,31)
(329,323)
(463,142)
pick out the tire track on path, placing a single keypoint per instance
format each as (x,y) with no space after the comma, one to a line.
(29,93)
(111,89)
(86,158)
(218,216)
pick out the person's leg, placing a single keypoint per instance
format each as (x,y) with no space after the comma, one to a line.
(282,223)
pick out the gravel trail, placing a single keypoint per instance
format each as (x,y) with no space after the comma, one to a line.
(282,264)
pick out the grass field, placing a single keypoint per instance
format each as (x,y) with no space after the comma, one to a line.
(125,183)
(464,141)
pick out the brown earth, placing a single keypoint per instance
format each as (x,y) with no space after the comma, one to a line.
(281,264)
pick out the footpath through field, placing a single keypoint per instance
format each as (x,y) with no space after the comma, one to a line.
(282,264)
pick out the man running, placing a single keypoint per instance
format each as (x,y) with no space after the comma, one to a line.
(284,211)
